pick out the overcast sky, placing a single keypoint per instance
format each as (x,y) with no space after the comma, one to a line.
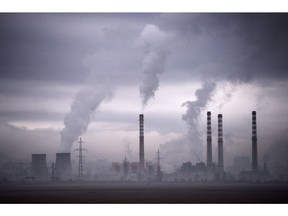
(68,75)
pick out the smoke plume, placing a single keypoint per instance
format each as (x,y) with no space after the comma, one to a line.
(86,101)
(189,147)
(154,43)
(194,108)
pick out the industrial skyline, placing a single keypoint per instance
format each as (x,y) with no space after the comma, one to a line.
(142,171)
(64,76)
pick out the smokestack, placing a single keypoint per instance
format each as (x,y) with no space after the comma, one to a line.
(254,143)
(39,166)
(220,143)
(63,165)
(141,144)
(209,140)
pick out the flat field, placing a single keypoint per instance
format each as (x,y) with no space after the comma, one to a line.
(161,193)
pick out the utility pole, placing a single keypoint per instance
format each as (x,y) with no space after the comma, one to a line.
(80,167)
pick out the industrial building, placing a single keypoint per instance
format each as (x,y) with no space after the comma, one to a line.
(210,171)
(130,171)
(63,166)
(39,167)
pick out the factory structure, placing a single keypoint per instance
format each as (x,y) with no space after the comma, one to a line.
(142,170)
(216,172)
(139,170)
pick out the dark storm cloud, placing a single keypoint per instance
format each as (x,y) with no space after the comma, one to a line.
(30,49)
(222,46)
(53,46)
(230,46)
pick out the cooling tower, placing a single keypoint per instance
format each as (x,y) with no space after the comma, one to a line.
(209,141)
(63,165)
(39,166)
(141,146)
(220,143)
(254,143)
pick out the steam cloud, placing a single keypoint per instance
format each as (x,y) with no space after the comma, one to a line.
(154,42)
(189,147)
(86,101)
(194,108)
(191,116)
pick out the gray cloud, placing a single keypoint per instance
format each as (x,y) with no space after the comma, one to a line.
(52,46)
(230,46)
(233,46)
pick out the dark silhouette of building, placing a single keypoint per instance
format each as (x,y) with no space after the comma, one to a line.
(63,165)
(39,167)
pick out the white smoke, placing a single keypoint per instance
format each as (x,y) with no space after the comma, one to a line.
(194,108)
(189,147)
(154,43)
(86,101)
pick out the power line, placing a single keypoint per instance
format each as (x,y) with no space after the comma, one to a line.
(80,167)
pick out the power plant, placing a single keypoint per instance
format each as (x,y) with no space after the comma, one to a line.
(143,170)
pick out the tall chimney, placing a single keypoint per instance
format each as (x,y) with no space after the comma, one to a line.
(209,141)
(220,143)
(141,145)
(254,143)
